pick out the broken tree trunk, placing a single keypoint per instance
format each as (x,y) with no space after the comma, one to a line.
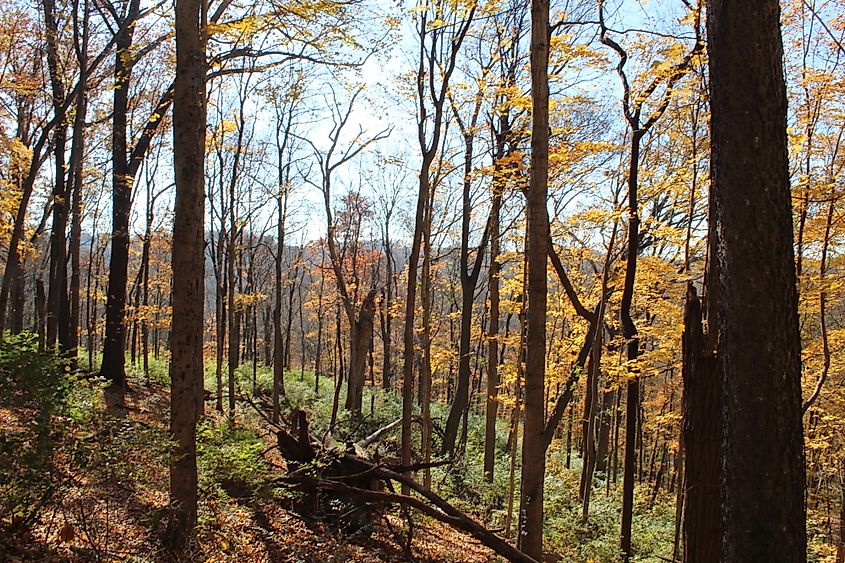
(366,484)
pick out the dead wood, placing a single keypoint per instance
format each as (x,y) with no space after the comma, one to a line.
(349,477)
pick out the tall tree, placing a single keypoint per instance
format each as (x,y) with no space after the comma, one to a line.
(438,54)
(536,254)
(759,355)
(81,34)
(57,298)
(186,366)
(468,273)
(640,119)
(509,61)
(122,179)
(360,313)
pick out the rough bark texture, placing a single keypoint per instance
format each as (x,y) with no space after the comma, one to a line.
(701,439)
(533,445)
(762,483)
(186,367)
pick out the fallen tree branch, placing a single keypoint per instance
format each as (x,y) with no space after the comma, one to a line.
(359,479)
(375,436)
(456,519)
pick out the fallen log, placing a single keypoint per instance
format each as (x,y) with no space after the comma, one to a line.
(456,519)
(360,482)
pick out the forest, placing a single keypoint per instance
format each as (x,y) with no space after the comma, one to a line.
(454,280)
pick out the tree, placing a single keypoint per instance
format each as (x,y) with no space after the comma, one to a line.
(360,313)
(536,253)
(666,75)
(439,46)
(81,40)
(57,299)
(126,161)
(468,272)
(510,58)
(759,354)
(186,365)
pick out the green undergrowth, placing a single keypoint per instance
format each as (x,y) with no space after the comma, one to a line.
(462,483)
(72,434)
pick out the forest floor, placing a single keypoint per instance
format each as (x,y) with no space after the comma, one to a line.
(80,482)
(107,498)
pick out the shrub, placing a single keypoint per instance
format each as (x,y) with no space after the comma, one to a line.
(34,387)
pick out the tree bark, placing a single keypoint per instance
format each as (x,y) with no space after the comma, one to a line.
(114,347)
(701,439)
(77,157)
(492,400)
(759,355)
(186,338)
(537,234)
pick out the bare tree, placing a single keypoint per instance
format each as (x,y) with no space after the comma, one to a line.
(359,309)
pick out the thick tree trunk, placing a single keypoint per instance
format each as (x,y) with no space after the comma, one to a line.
(186,338)
(759,355)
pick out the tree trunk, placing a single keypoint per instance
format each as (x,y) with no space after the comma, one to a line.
(759,355)
(608,398)
(359,344)
(468,279)
(387,315)
(446,60)
(186,338)
(41,314)
(593,416)
(537,234)
(77,156)
(493,357)
(701,439)
(114,347)
(57,302)
(220,311)
(425,363)
(632,347)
